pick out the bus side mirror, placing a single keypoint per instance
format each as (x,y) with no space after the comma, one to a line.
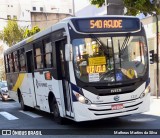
(68,52)
(151,57)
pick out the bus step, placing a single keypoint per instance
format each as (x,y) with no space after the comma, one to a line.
(37,107)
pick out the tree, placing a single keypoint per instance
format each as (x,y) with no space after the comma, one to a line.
(31,32)
(2,70)
(12,33)
(134,7)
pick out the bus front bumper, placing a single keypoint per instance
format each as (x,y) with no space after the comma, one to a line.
(83,112)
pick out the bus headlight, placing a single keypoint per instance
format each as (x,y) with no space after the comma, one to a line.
(146,91)
(82,99)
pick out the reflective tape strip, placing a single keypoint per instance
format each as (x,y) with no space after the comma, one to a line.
(18,82)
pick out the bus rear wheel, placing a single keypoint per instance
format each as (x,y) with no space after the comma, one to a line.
(23,106)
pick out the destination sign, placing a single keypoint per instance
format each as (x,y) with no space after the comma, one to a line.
(106,24)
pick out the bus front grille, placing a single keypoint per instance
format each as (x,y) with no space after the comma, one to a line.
(116,112)
(107,110)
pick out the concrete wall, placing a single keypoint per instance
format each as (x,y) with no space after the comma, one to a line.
(46,19)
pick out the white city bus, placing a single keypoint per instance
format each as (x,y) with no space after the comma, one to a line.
(82,69)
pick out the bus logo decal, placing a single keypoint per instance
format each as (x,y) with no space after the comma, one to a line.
(116,90)
(40,84)
(98,97)
(116,98)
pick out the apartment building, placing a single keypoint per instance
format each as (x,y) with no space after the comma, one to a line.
(151,32)
(44,13)
(29,13)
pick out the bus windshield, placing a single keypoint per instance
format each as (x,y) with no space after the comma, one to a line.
(110,59)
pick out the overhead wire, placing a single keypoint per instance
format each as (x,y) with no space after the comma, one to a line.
(6,19)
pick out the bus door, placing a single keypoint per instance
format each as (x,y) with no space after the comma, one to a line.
(30,77)
(63,67)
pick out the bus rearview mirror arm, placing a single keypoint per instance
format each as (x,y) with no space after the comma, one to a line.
(68,52)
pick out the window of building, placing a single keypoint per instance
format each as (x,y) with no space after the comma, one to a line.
(70,10)
(41,8)
(38,52)
(57,16)
(48,53)
(22,60)
(11,5)
(15,60)
(34,8)
(14,17)
(8,16)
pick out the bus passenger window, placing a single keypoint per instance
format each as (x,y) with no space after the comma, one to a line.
(38,55)
(11,62)
(48,53)
(38,59)
(7,64)
(22,60)
(15,59)
(39,62)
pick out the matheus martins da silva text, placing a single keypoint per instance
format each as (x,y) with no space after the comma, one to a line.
(132,132)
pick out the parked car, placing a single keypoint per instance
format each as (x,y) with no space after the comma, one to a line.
(4,91)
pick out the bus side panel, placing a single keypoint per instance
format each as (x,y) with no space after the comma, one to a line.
(11,81)
(27,90)
(42,89)
(21,82)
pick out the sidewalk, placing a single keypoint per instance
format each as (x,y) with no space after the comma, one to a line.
(154,106)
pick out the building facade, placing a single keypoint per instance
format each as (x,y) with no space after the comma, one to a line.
(151,32)
(45,13)
(42,13)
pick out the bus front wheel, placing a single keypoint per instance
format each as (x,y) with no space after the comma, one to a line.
(56,113)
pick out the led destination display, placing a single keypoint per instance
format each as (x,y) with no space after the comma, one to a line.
(106,24)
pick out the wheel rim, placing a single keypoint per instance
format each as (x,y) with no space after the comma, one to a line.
(56,111)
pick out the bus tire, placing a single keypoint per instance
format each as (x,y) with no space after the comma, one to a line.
(56,114)
(23,106)
(3,99)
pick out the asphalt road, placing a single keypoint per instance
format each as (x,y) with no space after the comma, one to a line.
(12,117)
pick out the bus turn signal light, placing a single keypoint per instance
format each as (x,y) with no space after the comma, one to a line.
(48,76)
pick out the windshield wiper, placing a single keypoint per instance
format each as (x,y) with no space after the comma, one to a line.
(125,42)
(119,53)
(102,47)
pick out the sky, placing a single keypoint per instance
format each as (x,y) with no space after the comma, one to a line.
(79,4)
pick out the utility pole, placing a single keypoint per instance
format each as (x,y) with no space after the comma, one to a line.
(157,33)
(106,4)
(73,6)
(157,4)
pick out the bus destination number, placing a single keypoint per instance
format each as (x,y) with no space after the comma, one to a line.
(105,24)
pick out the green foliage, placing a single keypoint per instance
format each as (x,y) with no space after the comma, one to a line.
(12,33)
(31,32)
(134,7)
(98,3)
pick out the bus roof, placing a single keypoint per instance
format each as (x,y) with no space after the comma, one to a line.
(55,27)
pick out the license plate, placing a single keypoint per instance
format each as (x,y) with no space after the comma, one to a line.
(117,106)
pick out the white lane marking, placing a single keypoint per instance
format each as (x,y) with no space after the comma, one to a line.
(30,114)
(8,116)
